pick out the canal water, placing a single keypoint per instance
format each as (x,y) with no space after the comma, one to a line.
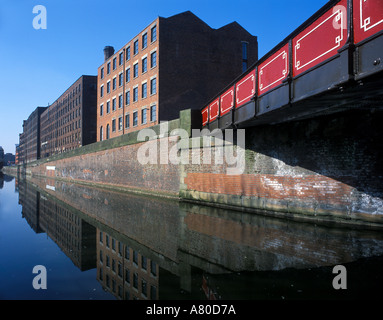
(96,244)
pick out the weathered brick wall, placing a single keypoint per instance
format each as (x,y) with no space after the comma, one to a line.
(330,167)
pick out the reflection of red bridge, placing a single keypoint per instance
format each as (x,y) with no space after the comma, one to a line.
(330,63)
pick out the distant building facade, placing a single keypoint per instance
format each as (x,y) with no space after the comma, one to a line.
(175,63)
(70,122)
(30,138)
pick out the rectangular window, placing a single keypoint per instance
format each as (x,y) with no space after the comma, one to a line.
(135,280)
(101,109)
(114,83)
(102,73)
(135,47)
(127,97)
(127,75)
(153,268)
(135,70)
(127,253)
(153,86)
(114,104)
(128,53)
(102,91)
(153,59)
(144,90)
(144,40)
(113,125)
(144,65)
(143,116)
(153,34)
(135,118)
(127,120)
(120,123)
(120,101)
(153,113)
(135,94)
(108,68)
(121,58)
(114,63)
(108,87)
(108,107)
(144,289)
(120,79)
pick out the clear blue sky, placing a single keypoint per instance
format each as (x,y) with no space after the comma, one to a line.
(37,66)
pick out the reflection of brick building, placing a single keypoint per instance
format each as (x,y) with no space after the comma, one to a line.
(123,271)
(175,63)
(70,121)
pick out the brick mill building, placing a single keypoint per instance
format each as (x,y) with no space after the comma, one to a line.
(70,122)
(175,63)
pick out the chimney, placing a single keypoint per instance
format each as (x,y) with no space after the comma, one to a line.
(108,52)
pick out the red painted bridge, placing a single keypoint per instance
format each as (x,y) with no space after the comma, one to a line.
(332,62)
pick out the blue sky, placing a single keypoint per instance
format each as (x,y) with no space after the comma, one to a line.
(37,66)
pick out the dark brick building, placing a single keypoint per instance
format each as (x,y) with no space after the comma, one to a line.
(175,63)
(70,122)
(30,138)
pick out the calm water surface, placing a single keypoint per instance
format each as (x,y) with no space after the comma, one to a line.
(97,244)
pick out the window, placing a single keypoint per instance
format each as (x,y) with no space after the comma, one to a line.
(135,94)
(101,109)
(135,70)
(135,118)
(113,125)
(108,68)
(153,86)
(143,116)
(153,113)
(101,133)
(135,47)
(144,288)
(144,262)
(153,268)
(114,63)
(120,79)
(102,91)
(120,101)
(107,106)
(127,97)
(135,280)
(114,83)
(127,120)
(108,87)
(127,275)
(128,53)
(127,76)
(114,104)
(127,253)
(153,293)
(120,123)
(144,90)
(135,257)
(144,65)
(102,73)
(153,59)
(144,40)
(153,34)
(107,131)
(121,58)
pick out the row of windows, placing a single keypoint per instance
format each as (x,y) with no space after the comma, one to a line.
(111,284)
(144,42)
(144,116)
(144,66)
(144,94)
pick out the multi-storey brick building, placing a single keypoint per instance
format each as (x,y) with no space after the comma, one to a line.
(30,138)
(70,122)
(175,63)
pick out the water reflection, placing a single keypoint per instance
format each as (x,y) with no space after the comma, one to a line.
(147,249)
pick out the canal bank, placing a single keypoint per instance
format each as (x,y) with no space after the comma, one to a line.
(327,169)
